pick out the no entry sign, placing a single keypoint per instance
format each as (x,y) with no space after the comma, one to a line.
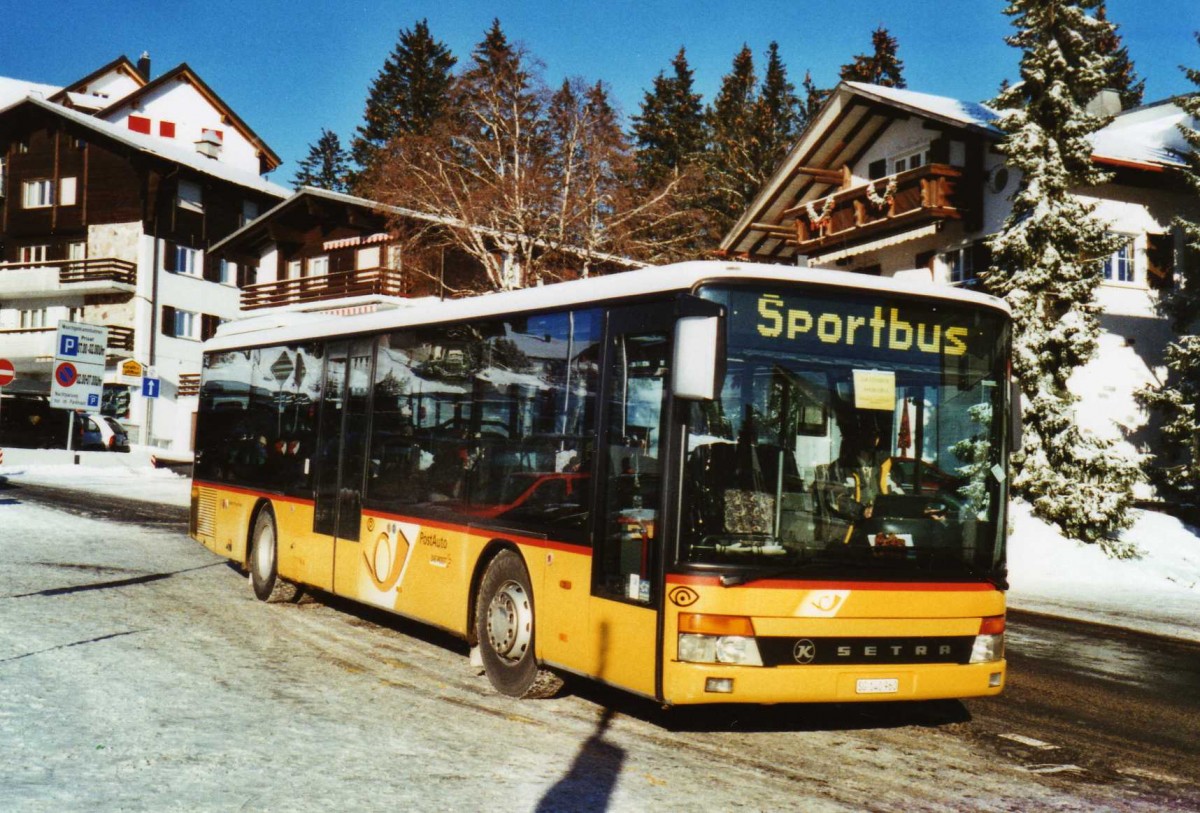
(7,372)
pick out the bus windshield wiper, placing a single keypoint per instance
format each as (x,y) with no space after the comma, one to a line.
(746,576)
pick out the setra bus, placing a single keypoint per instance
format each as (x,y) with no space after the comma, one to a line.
(704,482)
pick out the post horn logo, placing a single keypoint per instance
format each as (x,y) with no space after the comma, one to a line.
(684,596)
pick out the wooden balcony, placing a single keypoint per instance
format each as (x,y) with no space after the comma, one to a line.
(362,282)
(909,200)
(93,275)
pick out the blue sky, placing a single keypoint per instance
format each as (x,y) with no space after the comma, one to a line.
(291,68)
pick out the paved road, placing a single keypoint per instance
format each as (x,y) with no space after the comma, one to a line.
(137,672)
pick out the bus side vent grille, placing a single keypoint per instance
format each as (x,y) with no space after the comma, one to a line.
(206,512)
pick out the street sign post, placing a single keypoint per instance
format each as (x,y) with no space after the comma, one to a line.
(78,374)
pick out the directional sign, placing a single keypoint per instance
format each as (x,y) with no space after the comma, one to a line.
(150,387)
(7,372)
(78,381)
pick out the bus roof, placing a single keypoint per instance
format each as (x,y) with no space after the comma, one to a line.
(282,326)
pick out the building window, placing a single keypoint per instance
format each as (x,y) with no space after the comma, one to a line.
(181,324)
(3,177)
(139,124)
(188,261)
(166,129)
(227,275)
(1120,266)
(295,269)
(66,192)
(249,212)
(367,258)
(965,264)
(34,254)
(38,194)
(911,160)
(77,251)
(34,318)
(190,196)
(318,266)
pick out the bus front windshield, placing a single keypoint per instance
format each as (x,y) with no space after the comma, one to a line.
(857,435)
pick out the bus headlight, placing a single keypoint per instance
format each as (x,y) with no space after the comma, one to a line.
(731,649)
(989,643)
(718,639)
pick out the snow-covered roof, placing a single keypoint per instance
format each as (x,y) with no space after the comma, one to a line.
(158,147)
(1145,135)
(942,107)
(14,90)
(281,328)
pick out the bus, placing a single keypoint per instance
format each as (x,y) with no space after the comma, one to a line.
(643,479)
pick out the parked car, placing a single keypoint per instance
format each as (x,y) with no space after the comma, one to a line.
(96,432)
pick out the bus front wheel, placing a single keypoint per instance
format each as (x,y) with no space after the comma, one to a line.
(264,559)
(504,628)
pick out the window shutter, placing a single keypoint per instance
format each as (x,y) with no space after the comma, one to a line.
(208,326)
(66,192)
(1160,260)
(169,258)
(212,268)
(168,321)
(246,274)
(981,257)
(876,169)
(925,260)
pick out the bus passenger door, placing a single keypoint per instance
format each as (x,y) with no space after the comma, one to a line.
(627,545)
(341,455)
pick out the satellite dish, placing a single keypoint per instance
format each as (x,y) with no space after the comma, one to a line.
(997,179)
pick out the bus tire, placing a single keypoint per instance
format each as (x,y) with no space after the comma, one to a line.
(504,628)
(264,560)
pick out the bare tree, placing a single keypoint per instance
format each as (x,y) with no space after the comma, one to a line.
(533,185)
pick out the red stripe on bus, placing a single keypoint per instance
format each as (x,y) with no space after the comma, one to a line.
(797,584)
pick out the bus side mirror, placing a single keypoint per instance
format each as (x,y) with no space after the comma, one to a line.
(699,358)
(1016,410)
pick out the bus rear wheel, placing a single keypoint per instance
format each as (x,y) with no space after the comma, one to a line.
(264,559)
(504,629)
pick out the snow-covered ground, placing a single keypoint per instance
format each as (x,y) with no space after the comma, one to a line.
(1158,592)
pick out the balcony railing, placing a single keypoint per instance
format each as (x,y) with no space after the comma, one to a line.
(362,282)
(907,200)
(41,278)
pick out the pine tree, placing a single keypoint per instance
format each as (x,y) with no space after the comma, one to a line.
(1121,75)
(669,132)
(814,97)
(1044,261)
(731,169)
(780,116)
(327,165)
(1176,471)
(408,95)
(882,67)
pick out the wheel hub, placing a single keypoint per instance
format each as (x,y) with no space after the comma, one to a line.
(510,622)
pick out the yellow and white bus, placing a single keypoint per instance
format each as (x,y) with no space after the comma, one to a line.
(657,479)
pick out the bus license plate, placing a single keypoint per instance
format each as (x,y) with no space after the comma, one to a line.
(878,686)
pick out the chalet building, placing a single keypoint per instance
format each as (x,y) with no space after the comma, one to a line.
(112,189)
(887,180)
(328,251)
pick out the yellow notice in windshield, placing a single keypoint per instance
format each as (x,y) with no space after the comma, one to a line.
(874,389)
